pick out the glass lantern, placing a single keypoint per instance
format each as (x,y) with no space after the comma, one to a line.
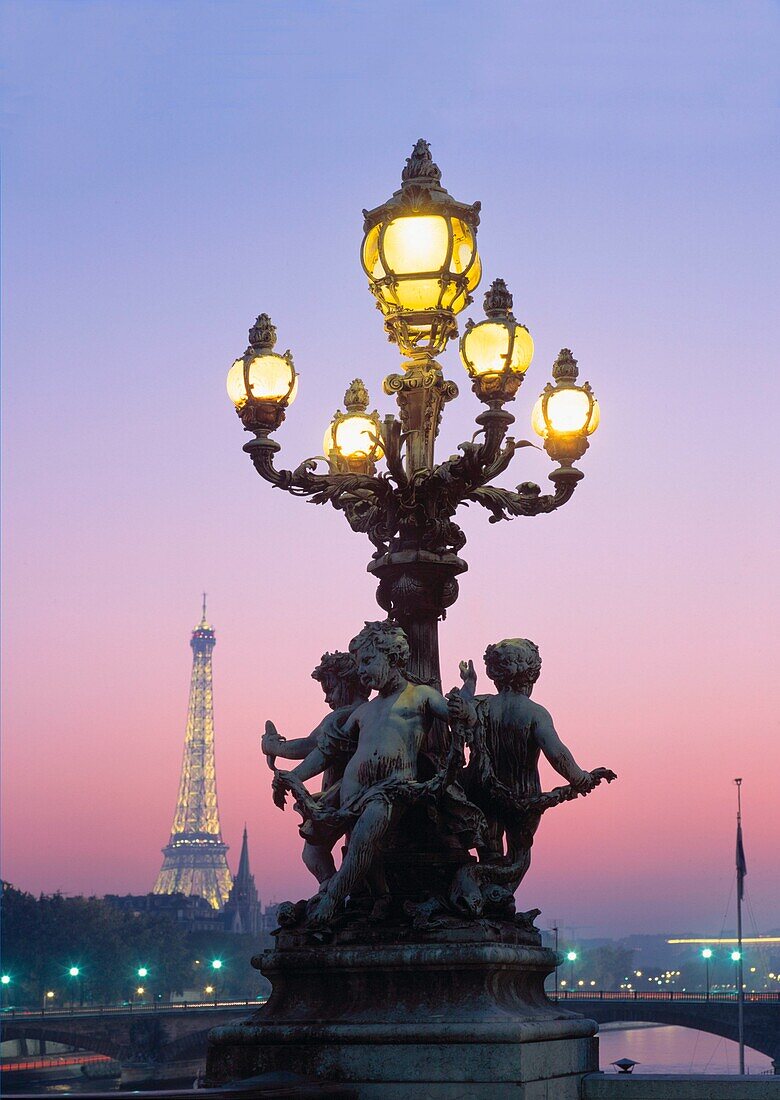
(566,414)
(498,351)
(420,255)
(353,441)
(261,383)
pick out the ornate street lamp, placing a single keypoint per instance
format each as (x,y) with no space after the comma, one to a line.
(498,351)
(566,414)
(353,441)
(262,384)
(420,256)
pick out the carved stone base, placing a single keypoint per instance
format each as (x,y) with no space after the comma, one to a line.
(453,1013)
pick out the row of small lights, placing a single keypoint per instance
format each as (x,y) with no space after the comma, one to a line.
(668,977)
(142,972)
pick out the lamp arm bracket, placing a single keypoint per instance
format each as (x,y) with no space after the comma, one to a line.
(476,465)
(503,458)
(304,481)
(527,499)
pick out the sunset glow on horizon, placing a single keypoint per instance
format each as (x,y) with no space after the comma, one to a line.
(172,171)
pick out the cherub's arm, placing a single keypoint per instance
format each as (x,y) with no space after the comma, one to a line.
(556,752)
(456,708)
(469,677)
(273,744)
(317,761)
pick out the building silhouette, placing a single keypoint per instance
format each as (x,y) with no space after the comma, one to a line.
(195,862)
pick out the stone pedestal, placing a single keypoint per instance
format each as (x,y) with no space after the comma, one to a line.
(449,1013)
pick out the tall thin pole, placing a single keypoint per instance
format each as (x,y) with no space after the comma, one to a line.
(741,870)
(555,930)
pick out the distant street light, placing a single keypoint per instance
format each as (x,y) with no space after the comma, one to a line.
(216,966)
(75,972)
(572,957)
(736,958)
(142,972)
(707,955)
(5,981)
(48,996)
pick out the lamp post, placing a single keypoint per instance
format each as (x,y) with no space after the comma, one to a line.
(572,958)
(555,930)
(707,955)
(143,973)
(216,966)
(48,997)
(5,982)
(419,254)
(75,972)
(736,958)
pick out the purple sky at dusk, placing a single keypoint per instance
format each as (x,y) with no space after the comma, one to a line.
(171,170)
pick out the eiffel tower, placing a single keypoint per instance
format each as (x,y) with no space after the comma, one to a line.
(195,860)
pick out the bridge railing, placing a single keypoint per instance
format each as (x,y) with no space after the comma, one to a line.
(561,995)
(657,995)
(107,1010)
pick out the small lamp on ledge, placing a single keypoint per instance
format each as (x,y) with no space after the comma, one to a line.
(261,384)
(353,441)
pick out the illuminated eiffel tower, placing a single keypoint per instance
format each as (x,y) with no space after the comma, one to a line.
(195,860)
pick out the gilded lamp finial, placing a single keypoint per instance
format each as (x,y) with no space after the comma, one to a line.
(262,334)
(498,300)
(356,398)
(420,165)
(565,367)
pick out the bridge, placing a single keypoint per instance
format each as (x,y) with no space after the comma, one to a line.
(158,1035)
(149,1040)
(714,1012)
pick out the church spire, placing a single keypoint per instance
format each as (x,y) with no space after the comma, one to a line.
(243,875)
(242,910)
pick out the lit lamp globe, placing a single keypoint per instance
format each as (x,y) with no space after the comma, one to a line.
(498,351)
(566,413)
(353,441)
(261,384)
(419,252)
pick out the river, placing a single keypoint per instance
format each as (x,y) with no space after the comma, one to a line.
(675,1050)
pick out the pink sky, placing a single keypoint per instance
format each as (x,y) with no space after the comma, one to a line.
(172,170)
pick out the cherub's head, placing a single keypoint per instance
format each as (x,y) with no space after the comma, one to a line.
(379,649)
(513,664)
(340,679)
